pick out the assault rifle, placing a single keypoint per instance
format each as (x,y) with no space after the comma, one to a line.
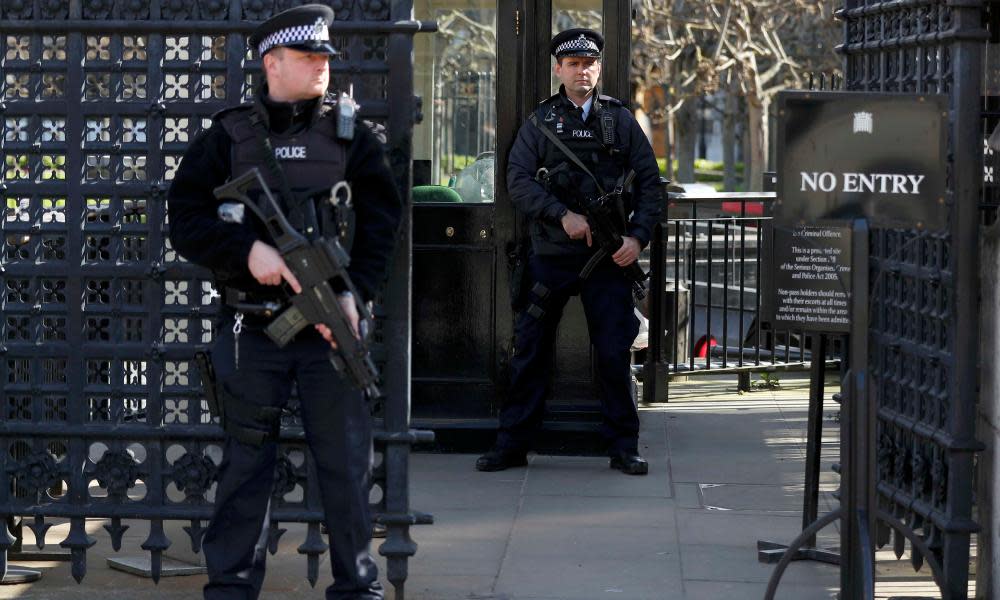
(605,220)
(316,264)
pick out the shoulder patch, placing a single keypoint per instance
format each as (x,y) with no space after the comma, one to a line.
(547,111)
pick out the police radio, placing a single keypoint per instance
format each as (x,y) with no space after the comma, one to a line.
(607,129)
(346,114)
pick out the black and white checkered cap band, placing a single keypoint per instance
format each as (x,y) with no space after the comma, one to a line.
(580,44)
(317,32)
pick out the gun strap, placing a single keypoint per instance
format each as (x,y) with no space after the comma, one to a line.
(569,153)
(592,263)
(625,181)
(260,129)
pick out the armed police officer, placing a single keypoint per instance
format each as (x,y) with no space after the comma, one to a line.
(304,144)
(577,147)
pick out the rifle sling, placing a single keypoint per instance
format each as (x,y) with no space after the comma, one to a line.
(592,263)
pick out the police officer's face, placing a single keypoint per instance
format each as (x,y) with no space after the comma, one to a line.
(294,75)
(578,73)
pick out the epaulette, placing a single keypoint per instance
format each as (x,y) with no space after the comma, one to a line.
(551,98)
(231,109)
(610,100)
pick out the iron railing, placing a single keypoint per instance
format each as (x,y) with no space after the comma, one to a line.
(709,259)
(465,114)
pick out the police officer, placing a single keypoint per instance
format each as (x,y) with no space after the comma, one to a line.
(546,184)
(292,117)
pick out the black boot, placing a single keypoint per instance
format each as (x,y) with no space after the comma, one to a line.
(629,462)
(498,459)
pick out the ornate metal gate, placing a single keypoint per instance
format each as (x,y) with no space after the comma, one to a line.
(922,367)
(908,424)
(102,413)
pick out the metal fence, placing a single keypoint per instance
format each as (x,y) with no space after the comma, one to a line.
(709,259)
(103,415)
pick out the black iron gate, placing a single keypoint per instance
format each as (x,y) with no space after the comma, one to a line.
(922,366)
(103,415)
(908,424)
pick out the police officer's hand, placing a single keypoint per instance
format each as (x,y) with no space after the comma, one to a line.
(576,227)
(628,253)
(351,311)
(268,268)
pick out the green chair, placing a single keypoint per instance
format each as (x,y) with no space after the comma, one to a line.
(435,193)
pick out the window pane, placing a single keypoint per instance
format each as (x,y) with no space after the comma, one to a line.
(455,75)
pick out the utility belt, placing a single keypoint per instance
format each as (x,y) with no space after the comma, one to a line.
(260,307)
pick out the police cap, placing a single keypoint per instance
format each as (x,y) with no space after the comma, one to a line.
(305,28)
(577,42)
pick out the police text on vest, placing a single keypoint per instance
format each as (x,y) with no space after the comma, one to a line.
(290,152)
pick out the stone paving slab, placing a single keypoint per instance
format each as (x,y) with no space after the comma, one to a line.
(591,476)
(569,528)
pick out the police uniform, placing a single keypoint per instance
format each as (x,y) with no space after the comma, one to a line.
(254,377)
(610,143)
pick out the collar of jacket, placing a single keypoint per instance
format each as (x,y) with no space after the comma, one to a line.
(281,117)
(568,104)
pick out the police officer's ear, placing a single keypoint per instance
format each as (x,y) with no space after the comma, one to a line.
(270,58)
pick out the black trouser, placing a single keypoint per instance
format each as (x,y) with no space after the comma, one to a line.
(337,425)
(607,302)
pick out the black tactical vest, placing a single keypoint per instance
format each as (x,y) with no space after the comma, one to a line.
(313,160)
(586,140)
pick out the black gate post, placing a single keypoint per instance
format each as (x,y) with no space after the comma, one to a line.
(966,93)
(656,371)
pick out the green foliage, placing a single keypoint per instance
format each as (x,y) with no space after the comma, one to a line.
(461,161)
(768,381)
(708,171)
(703,164)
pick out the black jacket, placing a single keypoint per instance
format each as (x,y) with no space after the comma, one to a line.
(532,150)
(198,234)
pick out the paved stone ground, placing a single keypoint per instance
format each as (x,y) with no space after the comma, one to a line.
(725,471)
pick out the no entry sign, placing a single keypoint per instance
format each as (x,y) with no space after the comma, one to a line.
(844,156)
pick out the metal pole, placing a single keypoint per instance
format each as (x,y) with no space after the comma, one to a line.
(855,449)
(814,434)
